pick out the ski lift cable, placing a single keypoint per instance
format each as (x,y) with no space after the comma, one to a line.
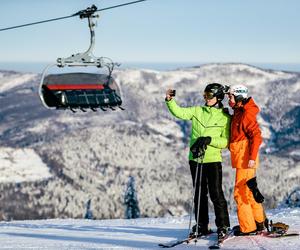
(65,17)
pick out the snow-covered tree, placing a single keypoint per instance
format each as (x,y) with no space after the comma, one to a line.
(293,199)
(88,213)
(132,210)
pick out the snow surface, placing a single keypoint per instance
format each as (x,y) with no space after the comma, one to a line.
(18,165)
(8,82)
(144,233)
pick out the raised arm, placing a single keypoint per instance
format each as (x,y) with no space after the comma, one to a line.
(177,111)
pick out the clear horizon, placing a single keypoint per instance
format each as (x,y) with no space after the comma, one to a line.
(156,31)
(38,67)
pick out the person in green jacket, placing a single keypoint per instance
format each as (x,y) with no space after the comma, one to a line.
(209,135)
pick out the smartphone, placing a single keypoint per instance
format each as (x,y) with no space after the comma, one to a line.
(173,93)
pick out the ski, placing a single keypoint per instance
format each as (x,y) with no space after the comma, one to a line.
(277,235)
(219,242)
(178,242)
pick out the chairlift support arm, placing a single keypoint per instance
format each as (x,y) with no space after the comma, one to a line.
(82,59)
(87,58)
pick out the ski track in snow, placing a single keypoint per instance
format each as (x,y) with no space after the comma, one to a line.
(144,233)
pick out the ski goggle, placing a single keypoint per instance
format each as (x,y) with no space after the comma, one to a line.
(208,95)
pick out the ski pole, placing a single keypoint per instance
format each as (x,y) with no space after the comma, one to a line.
(199,194)
(192,202)
(194,194)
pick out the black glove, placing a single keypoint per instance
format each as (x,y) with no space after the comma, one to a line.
(199,146)
(252,185)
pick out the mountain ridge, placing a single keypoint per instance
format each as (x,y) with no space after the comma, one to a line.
(91,155)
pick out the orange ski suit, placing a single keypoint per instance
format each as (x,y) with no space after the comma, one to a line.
(244,145)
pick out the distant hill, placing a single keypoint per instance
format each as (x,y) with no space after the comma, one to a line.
(90,155)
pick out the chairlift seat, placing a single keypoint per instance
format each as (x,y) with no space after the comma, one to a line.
(81,91)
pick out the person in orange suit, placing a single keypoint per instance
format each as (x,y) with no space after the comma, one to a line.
(244,145)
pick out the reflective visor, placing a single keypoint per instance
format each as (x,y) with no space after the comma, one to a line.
(208,95)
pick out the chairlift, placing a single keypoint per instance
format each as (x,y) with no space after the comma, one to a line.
(81,90)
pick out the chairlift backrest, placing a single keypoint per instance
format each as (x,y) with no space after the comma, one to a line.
(81,91)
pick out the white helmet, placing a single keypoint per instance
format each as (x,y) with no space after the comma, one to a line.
(239,91)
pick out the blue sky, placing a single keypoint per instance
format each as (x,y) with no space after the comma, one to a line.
(260,31)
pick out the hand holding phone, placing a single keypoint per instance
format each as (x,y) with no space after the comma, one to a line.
(173,92)
(170,94)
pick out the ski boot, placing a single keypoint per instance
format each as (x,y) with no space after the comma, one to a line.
(237,232)
(202,230)
(222,232)
(261,226)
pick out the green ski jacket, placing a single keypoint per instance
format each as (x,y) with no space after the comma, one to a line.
(206,121)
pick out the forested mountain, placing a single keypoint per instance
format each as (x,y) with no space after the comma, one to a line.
(73,157)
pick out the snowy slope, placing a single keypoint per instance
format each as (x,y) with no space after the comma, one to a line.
(276,93)
(19,165)
(133,234)
(11,79)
